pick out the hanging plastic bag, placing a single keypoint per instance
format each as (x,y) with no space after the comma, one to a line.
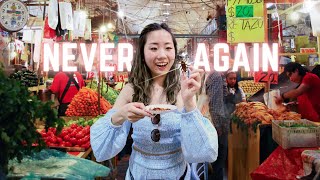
(79,23)
(66,17)
(87,32)
(53,14)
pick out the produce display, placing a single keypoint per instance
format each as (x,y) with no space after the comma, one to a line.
(82,121)
(73,136)
(250,87)
(27,78)
(85,103)
(257,112)
(107,92)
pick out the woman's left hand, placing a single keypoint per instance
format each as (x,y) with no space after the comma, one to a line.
(190,86)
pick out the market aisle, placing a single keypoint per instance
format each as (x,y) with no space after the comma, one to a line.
(122,167)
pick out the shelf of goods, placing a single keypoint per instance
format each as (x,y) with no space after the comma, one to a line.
(250,87)
(250,141)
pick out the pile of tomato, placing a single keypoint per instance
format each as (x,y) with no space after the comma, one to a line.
(73,136)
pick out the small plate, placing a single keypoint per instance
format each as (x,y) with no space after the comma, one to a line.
(160,108)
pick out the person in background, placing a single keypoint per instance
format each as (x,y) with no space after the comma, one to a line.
(163,143)
(235,94)
(65,86)
(307,93)
(216,90)
(316,70)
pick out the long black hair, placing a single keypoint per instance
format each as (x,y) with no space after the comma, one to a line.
(140,71)
(293,66)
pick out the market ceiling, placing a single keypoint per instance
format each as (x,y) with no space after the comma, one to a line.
(183,16)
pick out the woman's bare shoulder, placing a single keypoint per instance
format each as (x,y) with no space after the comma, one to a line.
(125,96)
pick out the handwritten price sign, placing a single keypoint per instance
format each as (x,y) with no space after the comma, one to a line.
(90,75)
(264,77)
(121,77)
(245,21)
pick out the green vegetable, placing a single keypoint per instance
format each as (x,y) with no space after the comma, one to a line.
(294,125)
(107,92)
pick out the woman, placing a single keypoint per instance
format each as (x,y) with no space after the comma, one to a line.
(185,136)
(235,93)
(307,93)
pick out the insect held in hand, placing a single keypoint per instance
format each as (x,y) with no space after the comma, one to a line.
(184,65)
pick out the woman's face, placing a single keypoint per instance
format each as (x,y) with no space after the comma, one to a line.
(231,79)
(294,76)
(159,52)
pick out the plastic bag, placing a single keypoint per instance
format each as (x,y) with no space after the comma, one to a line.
(53,14)
(66,17)
(269,99)
(50,163)
(79,23)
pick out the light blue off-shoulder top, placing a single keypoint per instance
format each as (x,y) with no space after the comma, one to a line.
(190,131)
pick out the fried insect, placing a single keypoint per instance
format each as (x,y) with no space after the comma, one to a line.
(184,66)
(160,109)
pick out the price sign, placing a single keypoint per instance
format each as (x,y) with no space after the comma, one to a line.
(121,77)
(90,75)
(264,77)
(244,11)
(245,21)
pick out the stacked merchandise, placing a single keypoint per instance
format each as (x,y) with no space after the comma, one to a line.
(85,103)
(27,78)
(250,87)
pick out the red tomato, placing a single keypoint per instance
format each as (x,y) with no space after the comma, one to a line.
(43,134)
(50,133)
(79,128)
(68,144)
(87,145)
(73,126)
(70,130)
(62,144)
(79,135)
(87,138)
(63,133)
(59,140)
(74,133)
(74,141)
(67,138)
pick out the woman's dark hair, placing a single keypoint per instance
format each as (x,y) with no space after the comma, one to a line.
(293,66)
(140,73)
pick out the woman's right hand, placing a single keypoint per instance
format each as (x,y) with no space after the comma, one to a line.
(278,100)
(132,112)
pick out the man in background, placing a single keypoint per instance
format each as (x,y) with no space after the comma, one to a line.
(216,89)
(65,86)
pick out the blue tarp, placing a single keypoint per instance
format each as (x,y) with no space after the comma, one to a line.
(50,163)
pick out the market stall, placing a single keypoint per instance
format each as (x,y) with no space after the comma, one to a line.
(250,140)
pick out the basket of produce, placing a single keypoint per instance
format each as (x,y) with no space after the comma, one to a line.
(296,133)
